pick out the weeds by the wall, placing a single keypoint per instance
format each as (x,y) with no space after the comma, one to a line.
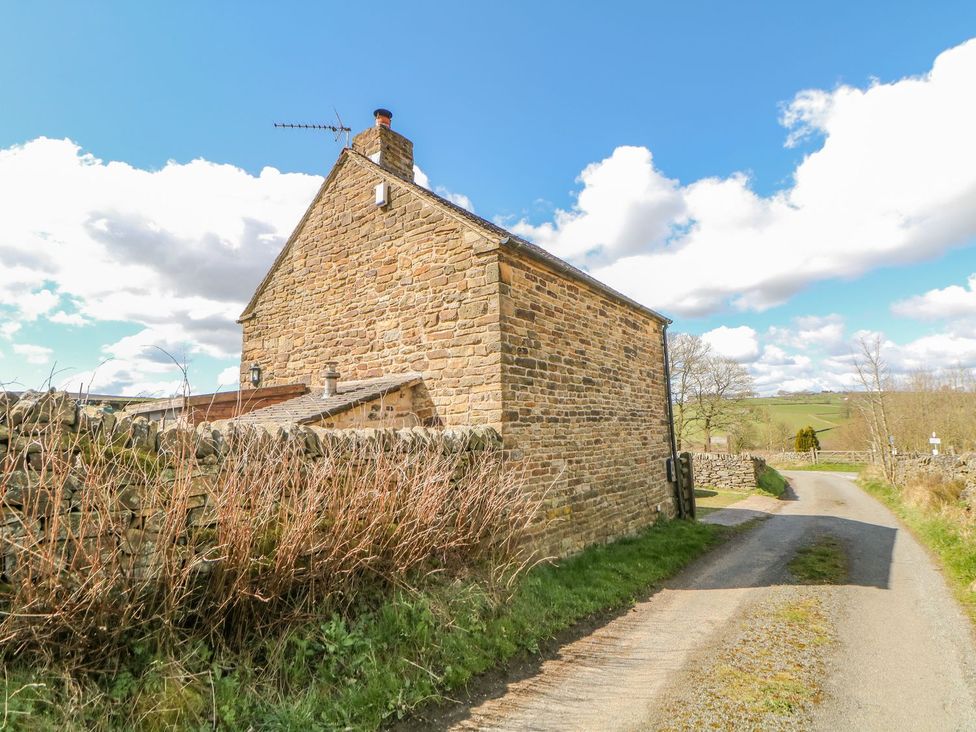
(106,548)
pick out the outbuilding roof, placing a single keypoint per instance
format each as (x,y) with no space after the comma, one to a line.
(314,406)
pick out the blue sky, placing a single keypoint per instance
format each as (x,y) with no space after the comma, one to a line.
(507,105)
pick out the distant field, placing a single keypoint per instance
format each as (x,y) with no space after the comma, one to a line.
(820,411)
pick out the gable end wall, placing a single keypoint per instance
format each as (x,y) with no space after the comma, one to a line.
(383,291)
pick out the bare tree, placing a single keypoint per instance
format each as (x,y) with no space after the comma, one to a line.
(718,389)
(705,388)
(689,355)
(872,371)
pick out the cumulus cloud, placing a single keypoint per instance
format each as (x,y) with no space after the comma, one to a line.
(740,344)
(626,206)
(230,376)
(954,301)
(892,181)
(180,247)
(63,318)
(812,332)
(458,199)
(37,355)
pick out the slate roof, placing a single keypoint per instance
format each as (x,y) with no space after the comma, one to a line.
(506,238)
(314,407)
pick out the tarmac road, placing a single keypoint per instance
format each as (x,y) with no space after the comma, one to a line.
(903,656)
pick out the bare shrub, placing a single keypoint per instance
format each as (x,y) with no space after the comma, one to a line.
(105,545)
(930,491)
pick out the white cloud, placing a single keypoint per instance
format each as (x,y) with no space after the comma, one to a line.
(950,302)
(812,332)
(157,244)
(36,355)
(625,207)
(458,199)
(230,376)
(33,304)
(892,182)
(179,249)
(63,318)
(740,344)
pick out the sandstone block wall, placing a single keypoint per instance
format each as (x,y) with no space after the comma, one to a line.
(406,407)
(584,405)
(728,472)
(382,290)
(573,378)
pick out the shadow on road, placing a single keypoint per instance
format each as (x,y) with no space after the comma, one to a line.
(869,549)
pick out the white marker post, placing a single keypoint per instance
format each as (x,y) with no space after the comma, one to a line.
(935,442)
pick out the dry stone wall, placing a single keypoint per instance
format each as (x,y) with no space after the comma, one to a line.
(728,472)
(947,468)
(30,504)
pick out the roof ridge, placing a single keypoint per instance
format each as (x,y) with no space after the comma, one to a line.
(508,238)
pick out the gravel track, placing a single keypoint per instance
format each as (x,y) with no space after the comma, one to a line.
(895,651)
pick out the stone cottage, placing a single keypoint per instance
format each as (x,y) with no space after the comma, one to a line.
(397,307)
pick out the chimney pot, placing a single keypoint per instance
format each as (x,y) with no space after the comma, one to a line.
(383,117)
(331,376)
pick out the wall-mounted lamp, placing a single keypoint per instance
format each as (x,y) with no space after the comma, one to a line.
(255,374)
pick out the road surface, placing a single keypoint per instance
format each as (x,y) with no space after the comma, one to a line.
(897,652)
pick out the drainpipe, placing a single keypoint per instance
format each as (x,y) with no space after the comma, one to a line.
(674,445)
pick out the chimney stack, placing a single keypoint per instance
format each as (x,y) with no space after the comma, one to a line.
(384,117)
(331,376)
(386,148)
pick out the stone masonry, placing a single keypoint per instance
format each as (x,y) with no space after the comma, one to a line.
(504,334)
(31,501)
(729,472)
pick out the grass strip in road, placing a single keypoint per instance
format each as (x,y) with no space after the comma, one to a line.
(947,531)
(766,675)
(822,563)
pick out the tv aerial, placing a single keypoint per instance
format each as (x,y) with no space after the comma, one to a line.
(338,130)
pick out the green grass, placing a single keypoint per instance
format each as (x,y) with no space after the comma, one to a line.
(827,467)
(822,563)
(943,532)
(820,411)
(772,482)
(709,500)
(359,673)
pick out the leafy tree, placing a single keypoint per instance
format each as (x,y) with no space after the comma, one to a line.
(806,439)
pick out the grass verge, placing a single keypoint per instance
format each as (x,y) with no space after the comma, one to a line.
(946,531)
(772,482)
(358,673)
(709,500)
